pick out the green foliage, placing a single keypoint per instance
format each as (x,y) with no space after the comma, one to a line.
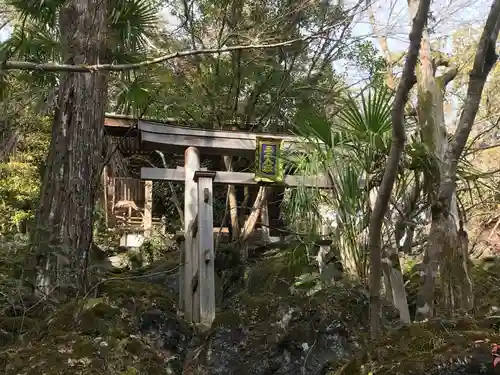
(368,61)
(35,36)
(25,139)
(153,248)
(19,188)
(351,147)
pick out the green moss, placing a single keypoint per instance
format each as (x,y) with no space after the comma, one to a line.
(228,318)
(78,354)
(133,345)
(143,293)
(84,347)
(17,324)
(419,347)
(274,275)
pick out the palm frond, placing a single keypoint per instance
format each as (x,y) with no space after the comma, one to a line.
(131,21)
(43,11)
(369,118)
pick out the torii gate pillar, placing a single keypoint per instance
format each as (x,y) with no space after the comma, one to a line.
(191,165)
(206,254)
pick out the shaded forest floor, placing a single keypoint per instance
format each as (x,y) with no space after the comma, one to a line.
(267,323)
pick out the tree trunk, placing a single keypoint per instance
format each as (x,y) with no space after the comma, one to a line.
(445,250)
(452,243)
(65,213)
(397,146)
(432,125)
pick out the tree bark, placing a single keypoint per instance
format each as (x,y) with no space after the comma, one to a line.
(390,173)
(64,217)
(433,128)
(445,241)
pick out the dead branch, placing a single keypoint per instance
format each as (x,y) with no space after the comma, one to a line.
(397,147)
(52,67)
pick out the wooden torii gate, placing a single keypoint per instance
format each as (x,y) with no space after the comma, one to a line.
(197,273)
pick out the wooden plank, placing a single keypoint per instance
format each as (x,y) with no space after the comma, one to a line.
(119,127)
(118,122)
(223,230)
(175,143)
(191,164)
(207,141)
(159,128)
(105,194)
(206,257)
(179,238)
(232,178)
(148,208)
(182,169)
(140,220)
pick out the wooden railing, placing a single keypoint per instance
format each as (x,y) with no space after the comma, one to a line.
(129,189)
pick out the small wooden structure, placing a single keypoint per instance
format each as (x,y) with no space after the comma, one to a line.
(197,273)
(127,204)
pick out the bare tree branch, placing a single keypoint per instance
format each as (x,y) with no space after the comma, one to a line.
(384,46)
(397,147)
(484,61)
(53,67)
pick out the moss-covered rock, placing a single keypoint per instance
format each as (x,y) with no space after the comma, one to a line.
(265,324)
(270,327)
(431,348)
(75,354)
(132,327)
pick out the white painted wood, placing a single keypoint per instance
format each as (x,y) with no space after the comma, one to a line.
(148,208)
(232,178)
(206,254)
(191,165)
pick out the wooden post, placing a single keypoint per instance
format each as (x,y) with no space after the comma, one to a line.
(113,194)
(148,208)
(179,238)
(264,221)
(191,165)
(324,248)
(206,254)
(105,193)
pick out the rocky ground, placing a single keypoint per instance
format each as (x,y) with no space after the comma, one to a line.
(266,324)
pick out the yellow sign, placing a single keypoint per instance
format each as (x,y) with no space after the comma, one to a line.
(269,167)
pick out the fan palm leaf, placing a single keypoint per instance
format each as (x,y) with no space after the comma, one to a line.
(368,120)
(35,36)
